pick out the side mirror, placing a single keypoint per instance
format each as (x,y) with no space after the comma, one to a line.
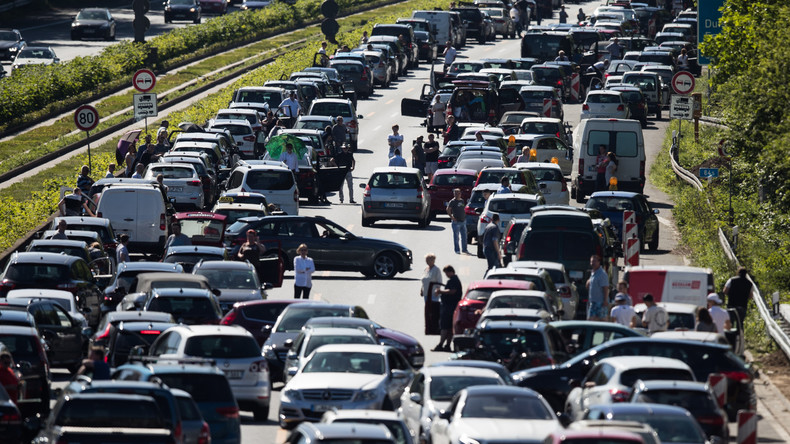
(288,343)
(87,332)
(445,414)
(363,185)
(216,292)
(416,398)
(399,375)
(267,286)
(292,371)
(564,419)
(656,211)
(359,116)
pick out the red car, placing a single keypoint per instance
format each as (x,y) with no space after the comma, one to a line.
(214,6)
(443,183)
(468,311)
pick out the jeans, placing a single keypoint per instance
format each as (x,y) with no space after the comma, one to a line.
(350,183)
(492,257)
(459,236)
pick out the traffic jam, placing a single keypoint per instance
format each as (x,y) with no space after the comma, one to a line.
(225,284)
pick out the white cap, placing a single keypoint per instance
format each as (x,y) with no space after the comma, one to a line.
(715,298)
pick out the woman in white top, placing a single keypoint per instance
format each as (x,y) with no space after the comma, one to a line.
(611,167)
(303,272)
(431,280)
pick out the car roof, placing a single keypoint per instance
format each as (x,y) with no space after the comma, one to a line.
(446,171)
(511,325)
(382,415)
(82,220)
(59,242)
(212,330)
(204,249)
(646,409)
(536,165)
(335,331)
(139,316)
(40,257)
(180,292)
(434,371)
(498,283)
(500,389)
(344,430)
(628,194)
(688,335)
(40,293)
(149,266)
(362,348)
(514,196)
(18,330)
(630,362)
(389,169)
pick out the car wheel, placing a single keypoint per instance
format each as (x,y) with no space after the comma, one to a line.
(261,413)
(385,266)
(653,245)
(367,222)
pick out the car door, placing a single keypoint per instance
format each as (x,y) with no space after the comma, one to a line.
(509,100)
(411,410)
(735,334)
(342,250)
(166,345)
(47,325)
(400,373)
(599,392)
(69,334)
(294,232)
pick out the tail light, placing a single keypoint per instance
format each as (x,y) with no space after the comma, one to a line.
(557,134)
(619,395)
(711,420)
(104,335)
(443,161)
(229,318)
(554,102)
(642,105)
(491,114)
(194,183)
(205,434)
(364,75)
(485,219)
(67,287)
(259,366)
(352,124)
(642,168)
(585,107)
(366,193)
(564,185)
(249,138)
(540,361)
(150,332)
(162,224)
(228,412)
(11,418)
(296,195)
(565,291)
(559,82)
(110,246)
(581,167)
(419,192)
(469,211)
(620,108)
(7,285)
(179,432)
(738,376)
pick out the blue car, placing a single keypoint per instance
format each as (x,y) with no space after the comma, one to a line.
(612,204)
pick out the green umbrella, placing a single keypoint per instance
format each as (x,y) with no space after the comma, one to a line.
(276,145)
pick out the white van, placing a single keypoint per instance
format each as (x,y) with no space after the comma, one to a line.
(624,138)
(270,178)
(136,210)
(442,21)
(670,284)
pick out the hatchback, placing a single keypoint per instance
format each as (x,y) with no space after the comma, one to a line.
(356,74)
(534,97)
(508,206)
(187,305)
(396,193)
(551,181)
(26,346)
(243,134)
(238,281)
(339,107)
(189,255)
(671,423)
(443,183)
(276,182)
(467,312)
(633,97)
(257,317)
(613,204)
(184,187)
(605,105)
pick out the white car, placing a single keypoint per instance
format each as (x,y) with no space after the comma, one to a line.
(270,178)
(35,55)
(65,299)
(344,376)
(310,338)
(515,315)
(507,206)
(520,299)
(235,211)
(562,282)
(605,105)
(431,391)
(182,181)
(236,353)
(243,134)
(551,181)
(611,380)
(495,414)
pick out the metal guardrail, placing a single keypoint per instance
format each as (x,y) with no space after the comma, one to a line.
(776,332)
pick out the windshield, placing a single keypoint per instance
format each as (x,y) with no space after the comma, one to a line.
(346,362)
(202,387)
(331,109)
(319,340)
(511,206)
(496,177)
(203,230)
(505,406)
(8,36)
(293,319)
(443,388)
(48,274)
(536,95)
(670,428)
(270,97)
(92,15)
(115,413)
(222,347)
(224,278)
(35,54)
(462,180)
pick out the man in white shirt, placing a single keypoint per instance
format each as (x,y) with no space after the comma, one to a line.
(719,315)
(293,106)
(449,55)
(655,317)
(622,313)
(289,158)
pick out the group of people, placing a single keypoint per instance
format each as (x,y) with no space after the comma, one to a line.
(440,301)
(606,169)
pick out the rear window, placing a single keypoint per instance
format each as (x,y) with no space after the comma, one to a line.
(622,143)
(443,388)
(543,74)
(270,97)
(547,174)
(331,109)
(270,180)
(610,204)
(115,413)
(394,181)
(263,312)
(480,294)
(632,96)
(629,377)
(496,176)
(236,130)
(21,347)
(461,67)
(543,246)
(191,259)
(643,82)
(531,302)
(42,274)
(511,206)
(238,116)
(503,341)
(203,388)
(294,320)
(172,172)
(222,347)
(693,401)
(533,95)
(540,128)
(182,306)
(347,68)
(464,180)
(603,98)
(188,409)
(125,340)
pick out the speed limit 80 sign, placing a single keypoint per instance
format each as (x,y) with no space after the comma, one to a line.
(86,118)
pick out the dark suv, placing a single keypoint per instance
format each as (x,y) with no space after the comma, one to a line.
(481,103)
(410,42)
(475,23)
(546,45)
(51,270)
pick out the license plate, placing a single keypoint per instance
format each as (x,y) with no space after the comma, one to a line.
(592,168)
(89,31)
(503,224)
(393,205)
(234,374)
(176,189)
(225,199)
(321,407)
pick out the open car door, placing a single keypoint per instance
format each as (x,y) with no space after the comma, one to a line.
(203,228)
(553,147)
(735,334)
(414,107)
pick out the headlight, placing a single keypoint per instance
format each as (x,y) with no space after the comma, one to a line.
(367,395)
(468,440)
(13,49)
(268,352)
(191,9)
(292,394)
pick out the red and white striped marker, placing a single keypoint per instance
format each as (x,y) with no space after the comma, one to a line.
(630,238)
(629,217)
(632,252)
(547,107)
(747,427)
(575,87)
(718,385)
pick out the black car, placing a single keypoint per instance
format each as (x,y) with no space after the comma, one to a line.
(475,23)
(290,323)
(93,23)
(636,101)
(546,45)
(128,335)
(556,381)
(332,247)
(31,361)
(11,42)
(409,41)
(258,317)
(125,276)
(427,44)
(182,10)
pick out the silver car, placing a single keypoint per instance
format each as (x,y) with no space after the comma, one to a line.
(396,193)
(182,181)
(237,281)
(310,338)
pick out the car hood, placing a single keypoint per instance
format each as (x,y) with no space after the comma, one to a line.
(90,22)
(397,336)
(6,45)
(493,429)
(348,381)
(277,339)
(235,295)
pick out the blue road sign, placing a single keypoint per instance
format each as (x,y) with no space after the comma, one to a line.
(708,173)
(708,16)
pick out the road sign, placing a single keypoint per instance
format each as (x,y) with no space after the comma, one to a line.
(725,150)
(145,106)
(144,80)
(708,16)
(681,107)
(86,118)
(683,82)
(708,173)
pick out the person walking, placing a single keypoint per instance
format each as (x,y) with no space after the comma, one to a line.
(60,234)
(339,133)
(456,209)
(452,132)
(600,168)
(719,315)
(738,290)
(418,155)
(84,181)
(303,272)
(122,252)
(177,238)
(449,55)
(622,313)
(450,296)
(110,174)
(515,15)
(288,157)
(431,281)
(614,49)
(431,148)
(563,15)
(395,141)
(655,318)
(705,322)
(598,291)
(397,160)
(489,241)
(611,169)
(345,159)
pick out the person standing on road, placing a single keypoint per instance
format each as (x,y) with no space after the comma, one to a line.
(177,238)
(622,289)
(61,233)
(431,281)
(449,55)
(418,155)
(338,135)
(489,240)
(345,159)
(581,16)
(563,15)
(251,250)
(719,315)
(452,133)
(611,169)
(130,160)
(683,60)
(84,181)
(303,272)
(738,289)
(122,252)
(288,157)
(110,174)
(397,160)
(395,141)
(431,149)
(515,15)
(622,313)
(598,291)
(456,209)
(705,322)
(655,318)
(294,108)
(600,168)
(450,296)
(615,51)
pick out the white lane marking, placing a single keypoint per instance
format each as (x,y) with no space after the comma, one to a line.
(371,299)
(389,101)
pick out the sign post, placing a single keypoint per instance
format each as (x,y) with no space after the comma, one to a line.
(86,118)
(144,81)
